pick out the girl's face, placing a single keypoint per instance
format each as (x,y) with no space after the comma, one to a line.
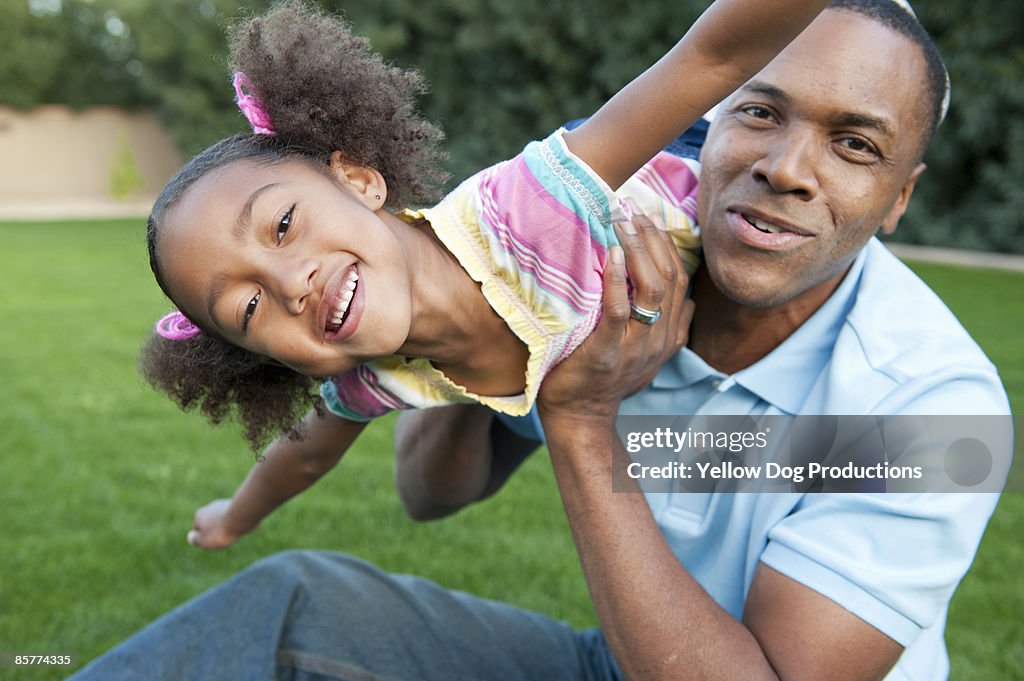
(292,263)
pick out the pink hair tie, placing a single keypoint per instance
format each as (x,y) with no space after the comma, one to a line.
(176,327)
(251,106)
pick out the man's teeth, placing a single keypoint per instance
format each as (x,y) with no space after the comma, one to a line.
(348,289)
(766,227)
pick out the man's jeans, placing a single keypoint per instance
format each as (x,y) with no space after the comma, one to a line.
(314,616)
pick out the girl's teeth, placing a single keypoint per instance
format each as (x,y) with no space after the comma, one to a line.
(344,300)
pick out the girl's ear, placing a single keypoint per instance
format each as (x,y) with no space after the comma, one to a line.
(366,183)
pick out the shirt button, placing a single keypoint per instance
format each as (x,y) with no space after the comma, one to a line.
(715,382)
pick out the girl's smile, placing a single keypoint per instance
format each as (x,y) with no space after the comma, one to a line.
(340,310)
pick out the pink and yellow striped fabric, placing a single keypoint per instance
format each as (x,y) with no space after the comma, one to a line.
(534,231)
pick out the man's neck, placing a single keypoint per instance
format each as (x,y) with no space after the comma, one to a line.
(730,336)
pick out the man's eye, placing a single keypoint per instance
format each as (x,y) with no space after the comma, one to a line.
(859,146)
(250,310)
(757,111)
(284,224)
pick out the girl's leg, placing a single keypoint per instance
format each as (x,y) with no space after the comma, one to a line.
(318,616)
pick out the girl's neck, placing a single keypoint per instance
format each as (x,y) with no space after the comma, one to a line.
(454,327)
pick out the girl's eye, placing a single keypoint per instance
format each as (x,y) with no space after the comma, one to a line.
(250,310)
(284,224)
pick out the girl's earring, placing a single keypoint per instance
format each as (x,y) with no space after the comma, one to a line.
(377,197)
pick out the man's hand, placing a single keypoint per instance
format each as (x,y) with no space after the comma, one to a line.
(658,620)
(623,355)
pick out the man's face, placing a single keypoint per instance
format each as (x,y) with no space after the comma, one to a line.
(809,159)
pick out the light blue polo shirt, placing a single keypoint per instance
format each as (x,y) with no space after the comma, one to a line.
(882,344)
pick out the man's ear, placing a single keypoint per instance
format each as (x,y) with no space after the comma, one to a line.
(900,207)
(365,182)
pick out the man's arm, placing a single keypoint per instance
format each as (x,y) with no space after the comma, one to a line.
(450,457)
(659,622)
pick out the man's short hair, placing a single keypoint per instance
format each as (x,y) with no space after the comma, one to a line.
(901,18)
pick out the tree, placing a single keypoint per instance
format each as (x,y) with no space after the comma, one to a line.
(972,195)
(181,49)
(31,58)
(503,73)
(69,52)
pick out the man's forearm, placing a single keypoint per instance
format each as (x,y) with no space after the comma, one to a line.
(450,457)
(659,622)
(442,459)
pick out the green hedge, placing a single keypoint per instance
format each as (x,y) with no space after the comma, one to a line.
(505,72)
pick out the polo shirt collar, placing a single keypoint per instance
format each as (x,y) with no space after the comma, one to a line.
(785,376)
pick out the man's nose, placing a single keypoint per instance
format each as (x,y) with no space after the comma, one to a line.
(293,281)
(789,166)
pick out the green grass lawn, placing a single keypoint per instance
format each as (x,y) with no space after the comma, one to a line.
(99,476)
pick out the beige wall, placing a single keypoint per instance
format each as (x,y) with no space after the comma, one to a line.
(55,159)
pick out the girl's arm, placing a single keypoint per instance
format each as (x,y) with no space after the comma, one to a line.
(729,43)
(287,468)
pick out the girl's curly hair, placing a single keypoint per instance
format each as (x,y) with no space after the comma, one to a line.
(223,381)
(325,91)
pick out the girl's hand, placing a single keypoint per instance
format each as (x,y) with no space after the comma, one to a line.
(210,527)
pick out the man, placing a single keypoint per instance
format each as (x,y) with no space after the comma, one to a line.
(798,311)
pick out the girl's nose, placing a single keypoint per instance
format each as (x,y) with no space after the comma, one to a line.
(294,282)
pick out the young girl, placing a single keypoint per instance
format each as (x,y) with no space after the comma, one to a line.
(280,251)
